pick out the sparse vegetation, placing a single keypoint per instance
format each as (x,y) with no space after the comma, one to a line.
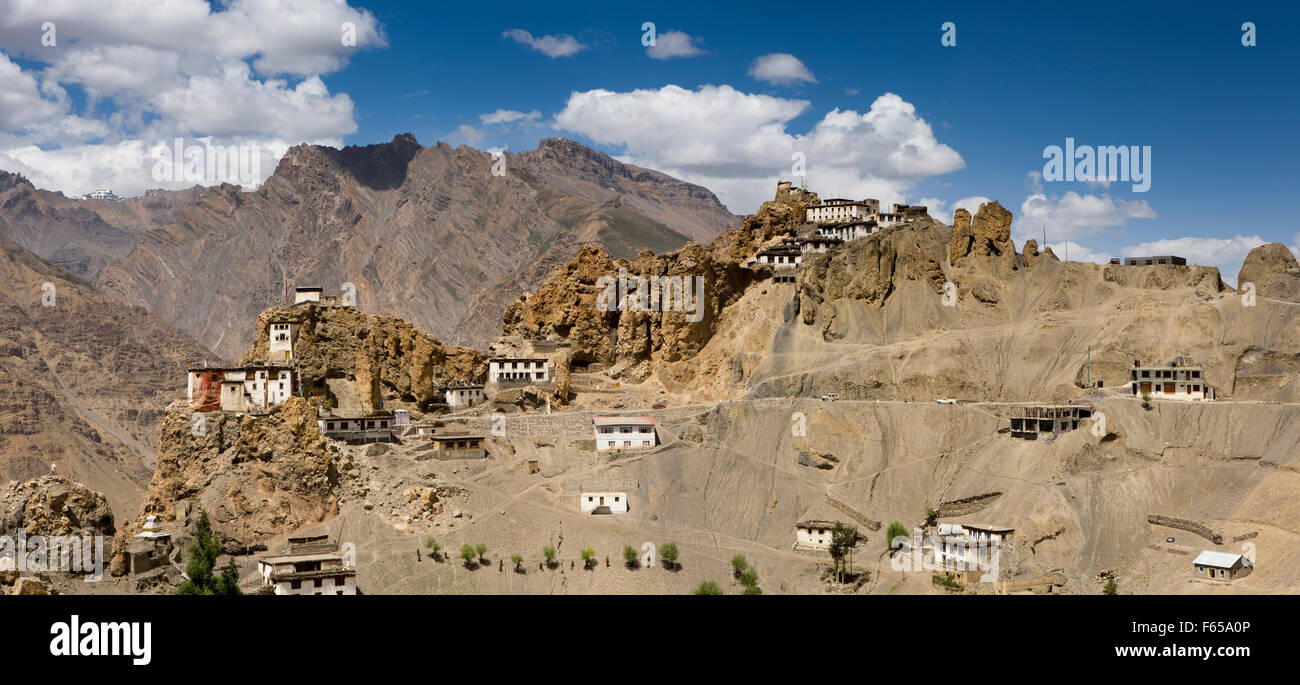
(739,564)
(630,556)
(1112,587)
(1146,400)
(930,515)
(708,587)
(518,561)
(467,553)
(669,553)
(549,552)
(481,549)
(434,547)
(843,538)
(947,582)
(203,553)
(588,558)
(749,579)
(896,530)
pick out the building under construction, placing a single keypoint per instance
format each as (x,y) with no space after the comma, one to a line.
(1030,421)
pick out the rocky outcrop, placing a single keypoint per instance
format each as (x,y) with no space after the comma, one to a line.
(53,505)
(384,357)
(257,476)
(1273,270)
(961,235)
(583,303)
(989,236)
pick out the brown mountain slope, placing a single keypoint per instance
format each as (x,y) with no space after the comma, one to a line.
(426,233)
(83,383)
(82,236)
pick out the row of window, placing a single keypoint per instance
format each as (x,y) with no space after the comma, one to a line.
(624,429)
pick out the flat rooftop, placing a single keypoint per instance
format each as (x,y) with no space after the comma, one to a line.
(624,420)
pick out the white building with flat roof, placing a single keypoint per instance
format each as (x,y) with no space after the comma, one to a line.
(603,502)
(519,370)
(459,396)
(280,339)
(1180,379)
(238,389)
(837,210)
(312,566)
(624,432)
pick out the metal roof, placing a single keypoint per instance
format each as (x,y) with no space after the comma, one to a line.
(1217,559)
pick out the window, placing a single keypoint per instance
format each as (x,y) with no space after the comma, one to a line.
(329,426)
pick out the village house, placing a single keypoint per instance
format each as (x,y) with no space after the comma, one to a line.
(624,432)
(459,396)
(313,294)
(787,255)
(312,566)
(818,244)
(1152,261)
(1222,566)
(814,534)
(1030,421)
(458,446)
(849,230)
(837,210)
(280,340)
(518,370)
(1181,379)
(238,388)
(967,547)
(371,428)
(603,502)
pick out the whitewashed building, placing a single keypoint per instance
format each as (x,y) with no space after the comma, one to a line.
(1223,566)
(376,427)
(849,230)
(238,389)
(603,502)
(280,340)
(787,255)
(818,244)
(624,432)
(519,370)
(814,534)
(307,293)
(838,210)
(1181,379)
(312,566)
(459,396)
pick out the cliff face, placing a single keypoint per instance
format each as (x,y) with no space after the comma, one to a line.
(1273,270)
(382,357)
(603,319)
(430,234)
(256,476)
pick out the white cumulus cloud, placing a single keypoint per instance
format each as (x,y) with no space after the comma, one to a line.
(1073,215)
(780,68)
(562,45)
(509,116)
(737,143)
(242,73)
(670,44)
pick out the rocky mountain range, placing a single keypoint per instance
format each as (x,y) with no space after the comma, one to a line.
(427,233)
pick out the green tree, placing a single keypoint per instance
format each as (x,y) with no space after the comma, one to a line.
(749,579)
(467,553)
(708,587)
(203,552)
(434,547)
(669,553)
(843,538)
(518,561)
(896,530)
(481,549)
(630,556)
(549,552)
(738,565)
(588,558)
(1112,587)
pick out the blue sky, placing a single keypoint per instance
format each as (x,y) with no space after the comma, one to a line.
(1218,116)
